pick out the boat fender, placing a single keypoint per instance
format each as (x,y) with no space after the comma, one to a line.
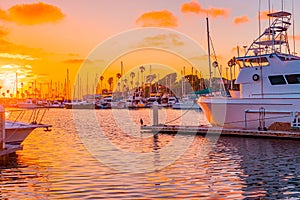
(255,77)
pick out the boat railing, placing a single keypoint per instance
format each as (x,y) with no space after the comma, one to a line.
(295,123)
(293,115)
(28,116)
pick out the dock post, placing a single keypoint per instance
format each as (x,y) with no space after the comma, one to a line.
(2,128)
(155,113)
(3,156)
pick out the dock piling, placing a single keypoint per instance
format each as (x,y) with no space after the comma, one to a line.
(2,128)
(4,157)
(155,113)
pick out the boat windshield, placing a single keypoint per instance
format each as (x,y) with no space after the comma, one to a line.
(256,62)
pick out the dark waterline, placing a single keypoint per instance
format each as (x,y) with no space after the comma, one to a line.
(56,165)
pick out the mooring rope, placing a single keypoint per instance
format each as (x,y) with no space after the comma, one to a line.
(188,109)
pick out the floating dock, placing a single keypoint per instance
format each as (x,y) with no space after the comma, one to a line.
(203,130)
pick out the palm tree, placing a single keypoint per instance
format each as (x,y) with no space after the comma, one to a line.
(118,77)
(132,75)
(124,86)
(125,82)
(110,82)
(142,69)
(101,80)
(22,87)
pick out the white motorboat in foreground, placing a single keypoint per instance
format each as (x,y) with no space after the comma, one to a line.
(269,81)
(20,123)
(17,132)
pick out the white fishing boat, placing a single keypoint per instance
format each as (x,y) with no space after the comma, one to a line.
(27,103)
(269,82)
(186,103)
(172,100)
(107,102)
(55,104)
(79,105)
(136,101)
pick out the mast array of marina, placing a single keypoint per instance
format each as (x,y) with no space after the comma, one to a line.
(142,84)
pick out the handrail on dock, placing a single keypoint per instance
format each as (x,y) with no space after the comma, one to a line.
(292,114)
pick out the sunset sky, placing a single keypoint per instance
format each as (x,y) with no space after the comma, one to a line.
(40,40)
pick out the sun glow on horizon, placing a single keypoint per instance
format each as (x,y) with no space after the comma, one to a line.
(41,41)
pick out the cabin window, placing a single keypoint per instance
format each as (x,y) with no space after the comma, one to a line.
(283,58)
(277,80)
(256,62)
(293,78)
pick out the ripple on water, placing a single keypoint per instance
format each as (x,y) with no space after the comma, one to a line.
(56,165)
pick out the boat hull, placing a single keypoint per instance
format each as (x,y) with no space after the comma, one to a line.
(17,136)
(17,132)
(248,113)
(79,106)
(186,106)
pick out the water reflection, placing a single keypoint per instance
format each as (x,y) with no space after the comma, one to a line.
(270,166)
(56,165)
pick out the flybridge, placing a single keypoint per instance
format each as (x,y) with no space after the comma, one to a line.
(275,38)
(263,60)
(279,14)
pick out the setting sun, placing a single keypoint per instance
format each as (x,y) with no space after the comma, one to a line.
(45,44)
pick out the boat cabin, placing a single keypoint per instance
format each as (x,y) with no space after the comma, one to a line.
(269,69)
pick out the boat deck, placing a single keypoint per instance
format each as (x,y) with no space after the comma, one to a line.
(13,125)
(203,130)
(10,148)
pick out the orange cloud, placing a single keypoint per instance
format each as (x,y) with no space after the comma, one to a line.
(162,40)
(16,56)
(216,12)
(296,37)
(3,32)
(241,19)
(3,15)
(162,18)
(37,13)
(264,14)
(195,7)
(75,61)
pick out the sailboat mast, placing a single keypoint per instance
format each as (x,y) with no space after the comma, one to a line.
(87,83)
(17,92)
(150,88)
(294,42)
(208,50)
(122,69)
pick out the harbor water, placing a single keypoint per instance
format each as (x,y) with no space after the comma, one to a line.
(62,164)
